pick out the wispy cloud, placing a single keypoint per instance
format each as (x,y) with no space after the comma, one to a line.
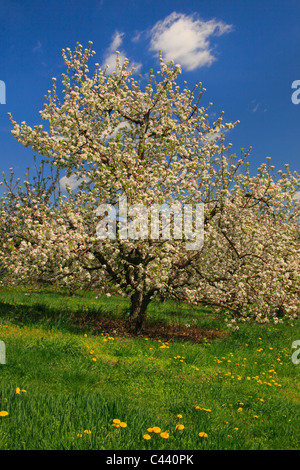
(255,106)
(110,55)
(186,39)
(37,47)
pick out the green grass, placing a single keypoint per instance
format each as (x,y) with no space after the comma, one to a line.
(246,379)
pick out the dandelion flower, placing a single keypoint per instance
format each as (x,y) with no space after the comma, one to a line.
(179,416)
(18,390)
(3,413)
(164,435)
(180,426)
(147,437)
(116,421)
(202,434)
(87,431)
(123,425)
(156,429)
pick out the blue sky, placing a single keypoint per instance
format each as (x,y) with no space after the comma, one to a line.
(246,54)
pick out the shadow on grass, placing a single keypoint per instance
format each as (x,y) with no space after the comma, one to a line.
(105,318)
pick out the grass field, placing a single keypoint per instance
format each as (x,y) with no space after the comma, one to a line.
(65,381)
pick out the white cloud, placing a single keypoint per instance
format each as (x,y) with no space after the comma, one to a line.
(72,181)
(186,39)
(108,134)
(110,56)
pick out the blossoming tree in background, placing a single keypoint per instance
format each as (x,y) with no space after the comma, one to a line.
(151,146)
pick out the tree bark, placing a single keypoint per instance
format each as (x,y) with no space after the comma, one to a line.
(139,303)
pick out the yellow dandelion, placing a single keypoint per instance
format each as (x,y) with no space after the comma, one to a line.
(87,431)
(202,434)
(147,437)
(156,429)
(179,416)
(179,426)
(18,390)
(164,435)
(123,425)
(3,413)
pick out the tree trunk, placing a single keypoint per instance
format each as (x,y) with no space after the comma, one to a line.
(139,303)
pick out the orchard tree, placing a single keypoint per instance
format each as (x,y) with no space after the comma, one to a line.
(150,147)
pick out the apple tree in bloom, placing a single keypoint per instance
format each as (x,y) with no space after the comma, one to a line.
(153,146)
